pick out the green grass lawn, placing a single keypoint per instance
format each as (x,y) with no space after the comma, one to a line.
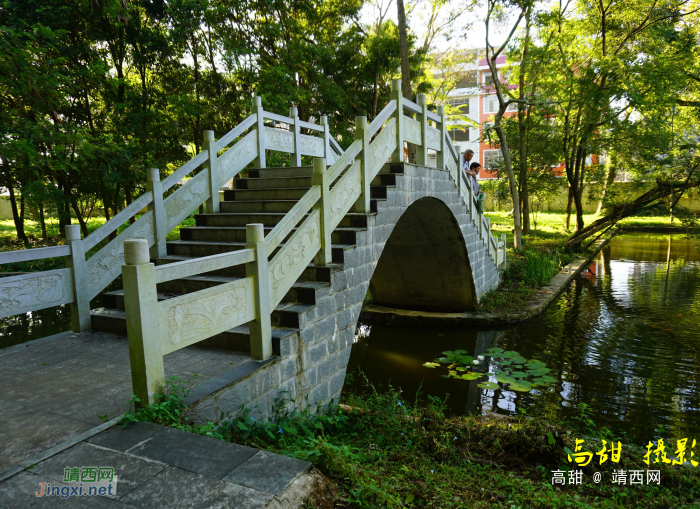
(382,451)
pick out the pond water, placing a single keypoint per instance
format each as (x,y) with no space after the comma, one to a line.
(623,338)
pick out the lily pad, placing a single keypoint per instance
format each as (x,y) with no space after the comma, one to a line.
(494,350)
(506,379)
(431,365)
(488,385)
(472,376)
(518,360)
(521,386)
(519,374)
(548,379)
(444,360)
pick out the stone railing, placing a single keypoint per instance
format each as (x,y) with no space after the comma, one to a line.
(496,247)
(82,279)
(304,235)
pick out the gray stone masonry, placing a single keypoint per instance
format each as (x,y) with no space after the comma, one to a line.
(311,368)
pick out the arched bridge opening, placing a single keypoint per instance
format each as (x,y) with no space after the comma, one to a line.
(424,264)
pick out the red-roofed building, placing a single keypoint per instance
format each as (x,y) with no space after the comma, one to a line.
(476,98)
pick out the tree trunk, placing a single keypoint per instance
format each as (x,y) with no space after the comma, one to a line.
(568,208)
(17,217)
(376,95)
(526,206)
(609,180)
(81,219)
(42,222)
(517,231)
(522,130)
(405,67)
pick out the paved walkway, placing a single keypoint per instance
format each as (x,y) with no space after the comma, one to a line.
(54,389)
(160,467)
(56,394)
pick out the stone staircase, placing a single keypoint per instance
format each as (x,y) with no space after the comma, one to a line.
(264,197)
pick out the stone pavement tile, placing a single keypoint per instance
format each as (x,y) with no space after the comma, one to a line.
(268,472)
(20,490)
(196,453)
(122,438)
(90,502)
(27,432)
(131,471)
(179,489)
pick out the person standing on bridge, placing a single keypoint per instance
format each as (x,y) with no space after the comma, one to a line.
(467,167)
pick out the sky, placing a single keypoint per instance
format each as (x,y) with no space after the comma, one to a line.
(474,21)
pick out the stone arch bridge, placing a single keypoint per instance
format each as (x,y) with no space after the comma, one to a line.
(281,261)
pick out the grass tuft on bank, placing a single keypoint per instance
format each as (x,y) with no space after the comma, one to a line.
(382,451)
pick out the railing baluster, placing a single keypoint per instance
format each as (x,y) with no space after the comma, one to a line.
(361,133)
(397,156)
(326,140)
(422,149)
(441,157)
(142,322)
(261,160)
(80,307)
(155,186)
(296,157)
(320,178)
(261,327)
(210,166)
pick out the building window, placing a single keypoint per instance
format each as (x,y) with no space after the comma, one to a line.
(468,80)
(490,104)
(513,107)
(487,78)
(460,134)
(492,159)
(462,104)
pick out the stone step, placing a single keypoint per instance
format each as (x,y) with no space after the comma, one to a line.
(283,193)
(285,171)
(272,183)
(311,274)
(238,234)
(256,206)
(384,179)
(114,320)
(199,248)
(351,220)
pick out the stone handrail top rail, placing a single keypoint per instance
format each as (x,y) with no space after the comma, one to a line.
(37,253)
(291,218)
(381,118)
(411,106)
(186,268)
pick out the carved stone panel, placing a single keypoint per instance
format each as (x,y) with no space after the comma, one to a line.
(296,254)
(433,138)
(30,292)
(345,194)
(279,140)
(411,130)
(185,200)
(106,264)
(382,147)
(200,315)
(237,157)
(311,145)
